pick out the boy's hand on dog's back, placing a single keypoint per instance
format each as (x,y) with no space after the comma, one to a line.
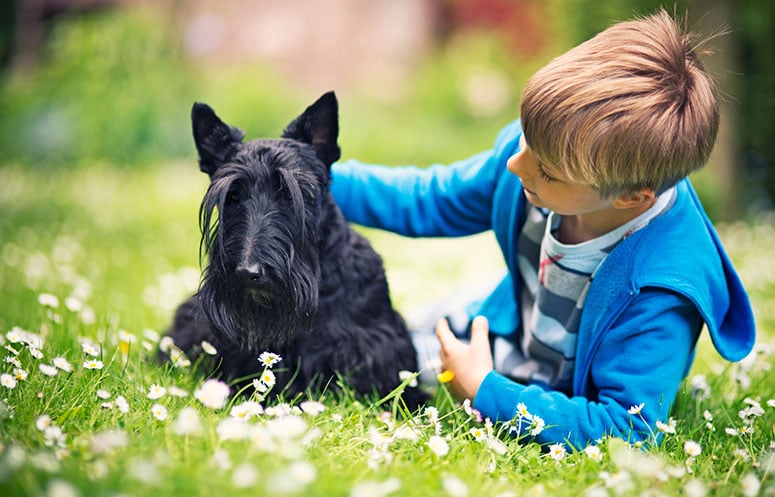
(470,362)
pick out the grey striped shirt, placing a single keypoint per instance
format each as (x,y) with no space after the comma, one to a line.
(555,279)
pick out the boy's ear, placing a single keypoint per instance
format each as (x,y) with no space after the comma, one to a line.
(635,199)
(318,126)
(215,140)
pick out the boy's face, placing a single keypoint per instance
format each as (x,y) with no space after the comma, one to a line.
(545,186)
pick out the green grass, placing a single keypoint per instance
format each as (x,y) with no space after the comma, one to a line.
(123,247)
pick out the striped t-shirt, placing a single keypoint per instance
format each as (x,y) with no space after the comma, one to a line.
(555,279)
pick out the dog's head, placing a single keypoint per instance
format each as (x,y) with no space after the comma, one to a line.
(260,224)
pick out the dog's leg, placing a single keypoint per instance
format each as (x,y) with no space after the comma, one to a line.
(190,327)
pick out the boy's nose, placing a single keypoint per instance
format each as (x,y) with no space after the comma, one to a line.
(515,163)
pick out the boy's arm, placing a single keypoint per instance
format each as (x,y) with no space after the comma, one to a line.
(440,200)
(642,358)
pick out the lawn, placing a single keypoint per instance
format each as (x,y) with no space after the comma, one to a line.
(92,263)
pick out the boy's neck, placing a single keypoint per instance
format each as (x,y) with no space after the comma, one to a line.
(581,228)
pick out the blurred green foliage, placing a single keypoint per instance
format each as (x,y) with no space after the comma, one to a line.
(438,118)
(107,89)
(115,87)
(754,23)
(7,17)
(582,19)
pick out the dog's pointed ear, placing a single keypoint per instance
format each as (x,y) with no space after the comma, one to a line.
(215,140)
(318,126)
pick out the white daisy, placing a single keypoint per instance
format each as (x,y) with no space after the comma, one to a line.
(454,486)
(244,476)
(666,428)
(73,304)
(108,441)
(405,375)
(90,349)
(151,335)
(265,381)
(497,446)
(692,448)
(438,445)
(247,410)
(53,436)
(537,426)
(93,364)
(221,459)
(522,410)
(557,452)
(312,407)
(156,392)
(61,363)
(8,381)
(48,370)
(213,394)
(122,404)
(208,348)
(750,485)
(43,422)
(269,359)
(48,300)
(159,412)
(187,422)
(593,452)
(177,392)
(478,434)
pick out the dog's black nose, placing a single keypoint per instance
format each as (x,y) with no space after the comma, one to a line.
(251,274)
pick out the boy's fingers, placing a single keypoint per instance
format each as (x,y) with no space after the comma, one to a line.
(480,330)
(443,333)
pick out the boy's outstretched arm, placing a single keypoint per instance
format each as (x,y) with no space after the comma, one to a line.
(469,362)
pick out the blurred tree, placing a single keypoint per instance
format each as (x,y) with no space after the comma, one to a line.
(521,24)
(108,86)
(25,25)
(6,31)
(753,23)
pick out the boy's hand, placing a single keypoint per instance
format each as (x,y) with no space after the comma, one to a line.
(471,362)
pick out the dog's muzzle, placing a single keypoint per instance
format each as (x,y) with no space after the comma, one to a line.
(252,275)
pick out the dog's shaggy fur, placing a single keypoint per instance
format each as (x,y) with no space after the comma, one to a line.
(286,273)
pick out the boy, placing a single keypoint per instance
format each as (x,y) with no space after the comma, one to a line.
(613,266)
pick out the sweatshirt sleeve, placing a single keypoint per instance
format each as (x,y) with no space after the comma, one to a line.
(641,359)
(439,200)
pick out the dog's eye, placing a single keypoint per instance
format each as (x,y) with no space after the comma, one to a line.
(232,197)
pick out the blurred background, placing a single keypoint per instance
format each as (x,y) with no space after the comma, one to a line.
(111,82)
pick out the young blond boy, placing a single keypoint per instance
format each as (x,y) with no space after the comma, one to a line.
(613,266)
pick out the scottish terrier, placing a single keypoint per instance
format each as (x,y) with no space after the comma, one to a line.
(285,271)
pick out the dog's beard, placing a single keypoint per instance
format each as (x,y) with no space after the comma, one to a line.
(259,319)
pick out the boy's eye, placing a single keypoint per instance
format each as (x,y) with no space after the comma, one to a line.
(546,177)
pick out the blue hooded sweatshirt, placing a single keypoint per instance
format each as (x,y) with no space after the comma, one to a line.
(642,315)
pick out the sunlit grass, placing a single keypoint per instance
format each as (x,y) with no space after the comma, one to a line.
(92,263)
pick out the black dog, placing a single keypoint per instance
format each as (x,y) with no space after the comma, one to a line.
(286,273)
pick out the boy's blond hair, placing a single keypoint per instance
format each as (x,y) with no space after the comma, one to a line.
(631,108)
